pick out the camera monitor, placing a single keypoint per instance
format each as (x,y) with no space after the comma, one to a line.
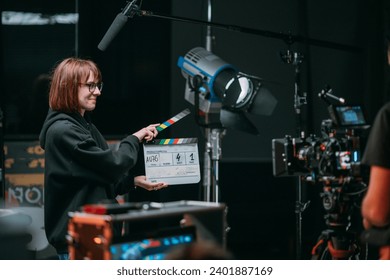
(348,115)
(151,229)
(154,246)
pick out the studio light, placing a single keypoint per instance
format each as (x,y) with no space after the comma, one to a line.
(222,93)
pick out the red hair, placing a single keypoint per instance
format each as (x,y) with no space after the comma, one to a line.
(65,81)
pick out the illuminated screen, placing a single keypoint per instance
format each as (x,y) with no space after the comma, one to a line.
(350,115)
(346,158)
(152,247)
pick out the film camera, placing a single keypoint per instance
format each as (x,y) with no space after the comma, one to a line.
(327,157)
(334,161)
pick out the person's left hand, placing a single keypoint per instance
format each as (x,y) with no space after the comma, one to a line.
(140,181)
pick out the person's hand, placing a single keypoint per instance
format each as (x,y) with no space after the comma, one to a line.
(140,181)
(384,253)
(366,224)
(147,133)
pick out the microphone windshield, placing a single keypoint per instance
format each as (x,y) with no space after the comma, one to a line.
(115,27)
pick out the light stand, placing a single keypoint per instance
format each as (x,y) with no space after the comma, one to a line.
(214,153)
(296,59)
(213,138)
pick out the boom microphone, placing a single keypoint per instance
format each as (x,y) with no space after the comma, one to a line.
(117,24)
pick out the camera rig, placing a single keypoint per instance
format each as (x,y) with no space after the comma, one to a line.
(333,160)
(326,158)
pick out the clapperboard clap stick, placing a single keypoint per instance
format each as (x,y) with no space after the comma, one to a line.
(174,160)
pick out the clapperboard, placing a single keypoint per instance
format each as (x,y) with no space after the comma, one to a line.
(173,160)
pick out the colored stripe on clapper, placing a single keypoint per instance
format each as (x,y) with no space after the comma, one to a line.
(173,120)
(175,141)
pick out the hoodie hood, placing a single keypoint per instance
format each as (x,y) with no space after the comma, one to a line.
(54,116)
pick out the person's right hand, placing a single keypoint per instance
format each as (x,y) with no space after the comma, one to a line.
(147,133)
(140,181)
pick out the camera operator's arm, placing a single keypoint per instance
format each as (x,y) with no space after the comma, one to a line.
(376,206)
(376,203)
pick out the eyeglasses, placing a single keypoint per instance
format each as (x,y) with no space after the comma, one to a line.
(92,86)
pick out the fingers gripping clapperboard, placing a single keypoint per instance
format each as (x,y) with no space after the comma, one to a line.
(173,160)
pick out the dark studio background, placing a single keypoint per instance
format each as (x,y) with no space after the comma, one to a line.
(143,85)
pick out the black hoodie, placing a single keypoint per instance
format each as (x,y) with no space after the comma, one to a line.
(80,169)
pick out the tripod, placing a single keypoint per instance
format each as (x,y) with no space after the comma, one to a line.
(338,241)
